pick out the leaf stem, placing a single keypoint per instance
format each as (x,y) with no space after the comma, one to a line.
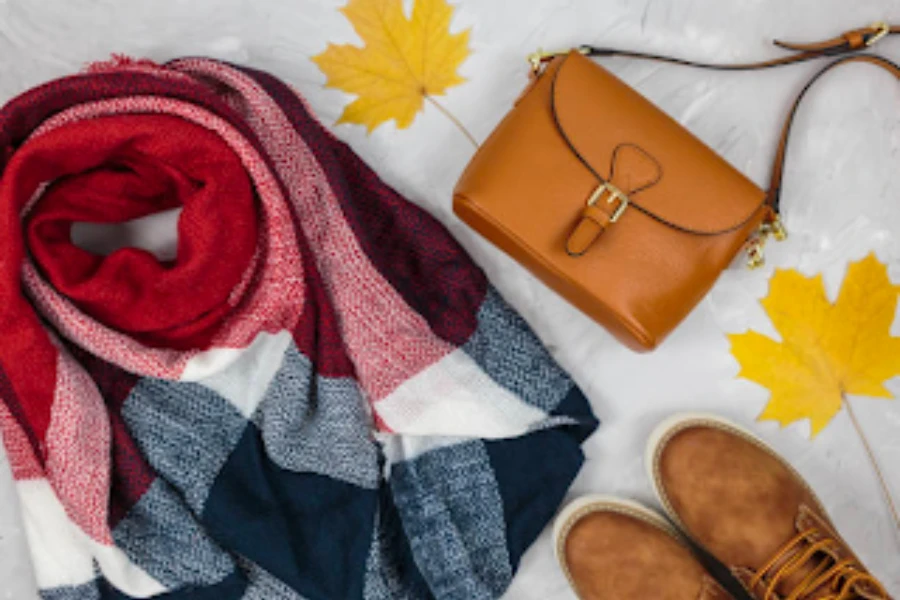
(453,119)
(878,473)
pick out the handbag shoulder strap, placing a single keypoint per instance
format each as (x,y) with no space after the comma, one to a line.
(850,41)
(773,195)
(847,43)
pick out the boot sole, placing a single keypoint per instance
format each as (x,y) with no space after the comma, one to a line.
(578,509)
(670,427)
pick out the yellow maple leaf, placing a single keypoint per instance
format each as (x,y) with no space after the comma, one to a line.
(826,350)
(403,61)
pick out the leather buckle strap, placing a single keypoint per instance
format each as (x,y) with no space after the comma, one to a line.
(594,219)
(855,39)
(631,168)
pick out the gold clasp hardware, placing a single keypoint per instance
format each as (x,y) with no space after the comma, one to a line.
(776,228)
(883,29)
(537,59)
(756,255)
(614,194)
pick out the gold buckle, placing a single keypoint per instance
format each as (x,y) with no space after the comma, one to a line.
(883,29)
(614,194)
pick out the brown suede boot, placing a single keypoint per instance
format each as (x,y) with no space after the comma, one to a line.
(735,497)
(613,549)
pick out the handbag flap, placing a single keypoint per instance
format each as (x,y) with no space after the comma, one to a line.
(617,133)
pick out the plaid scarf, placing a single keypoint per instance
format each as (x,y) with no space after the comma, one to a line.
(319,397)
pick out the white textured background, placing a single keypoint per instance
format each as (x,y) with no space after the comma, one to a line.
(841,197)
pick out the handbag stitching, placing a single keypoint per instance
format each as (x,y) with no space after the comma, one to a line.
(740,225)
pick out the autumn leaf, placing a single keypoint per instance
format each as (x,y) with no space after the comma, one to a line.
(404,60)
(827,349)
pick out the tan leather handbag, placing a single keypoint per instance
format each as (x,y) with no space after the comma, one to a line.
(614,204)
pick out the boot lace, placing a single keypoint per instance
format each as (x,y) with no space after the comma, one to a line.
(841,576)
